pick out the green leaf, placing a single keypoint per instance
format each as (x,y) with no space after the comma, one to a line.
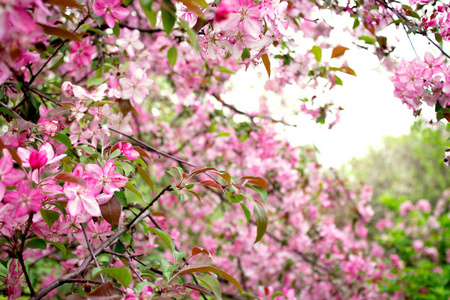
(247,212)
(261,220)
(245,54)
(60,246)
(225,70)
(168,20)
(129,186)
(212,283)
(172,55)
(36,244)
(262,192)
(167,239)
(128,168)
(138,288)
(277,294)
(168,268)
(6,111)
(121,196)
(3,270)
(123,275)
(49,216)
(95,81)
(338,80)
(64,139)
(249,295)
(196,196)
(223,134)
(146,178)
(146,6)
(317,53)
(116,29)
(367,39)
(192,35)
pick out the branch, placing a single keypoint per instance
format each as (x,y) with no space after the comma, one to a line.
(20,254)
(143,214)
(218,98)
(11,110)
(148,147)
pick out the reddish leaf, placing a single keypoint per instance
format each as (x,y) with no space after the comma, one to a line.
(61,32)
(68,177)
(198,250)
(197,288)
(211,183)
(199,171)
(24,125)
(111,211)
(65,3)
(204,268)
(180,289)
(347,70)
(105,291)
(258,181)
(159,214)
(56,112)
(142,152)
(12,152)
(266,61)
(338,51)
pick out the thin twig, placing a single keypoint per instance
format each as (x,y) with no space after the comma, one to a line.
(91,250)
(152,148)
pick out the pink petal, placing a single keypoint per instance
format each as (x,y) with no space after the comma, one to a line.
(251,26)
(91,206)
(74,206)
(110,21)
(120,12)
(109,168)
(94,170)
(13,177)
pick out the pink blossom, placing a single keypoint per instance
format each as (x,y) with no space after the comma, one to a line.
(110,181)
(14,280)
(8,175)
(111,9)
(82,52)
(45,149)
(24,198)
(129,41)
(406,207)
(137,87)
(127,150)
(82,198)
(423,205)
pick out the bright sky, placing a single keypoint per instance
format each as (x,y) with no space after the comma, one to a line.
(370,109)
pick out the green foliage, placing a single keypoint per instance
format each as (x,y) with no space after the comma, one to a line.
(408,166)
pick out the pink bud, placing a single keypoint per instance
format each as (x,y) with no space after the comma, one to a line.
(38,159)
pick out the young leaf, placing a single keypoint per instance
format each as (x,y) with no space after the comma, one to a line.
(123,275)
(266,61)
(172,55)
(258,181)
(66,3)
(338,51)
(262,192)
(212,183)
(317,53)
(204,268)
(261,220)
(198,250)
